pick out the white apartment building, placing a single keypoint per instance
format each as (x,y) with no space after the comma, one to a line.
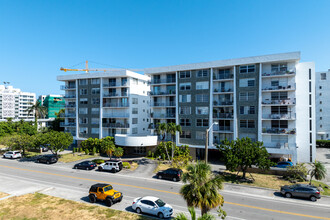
(14,103)
(109,103)
(268,98)
(322,99)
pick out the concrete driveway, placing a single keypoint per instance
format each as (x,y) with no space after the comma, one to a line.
(323,155)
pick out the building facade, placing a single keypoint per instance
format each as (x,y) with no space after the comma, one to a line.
(53,103)
(14,103)
(267,98)
(322,96)
(107,104)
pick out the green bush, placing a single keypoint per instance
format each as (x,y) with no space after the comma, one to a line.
(149,153)
(98,161)
(126,165)
(163,156)
(86,151)
(323,143)
(297,172)
(94,151)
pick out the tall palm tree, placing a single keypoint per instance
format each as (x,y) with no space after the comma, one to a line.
(202,190)
(172,128)
(108,146)
(192,212)
(161,130)
(39,111)
(318,171)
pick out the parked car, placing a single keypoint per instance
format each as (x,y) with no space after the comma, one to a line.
(301,190)
(12,154)
(284,164)
(44,149)
(86,165)
(104,192)
(170,174)
(48,159)
(111,165)
(152,205)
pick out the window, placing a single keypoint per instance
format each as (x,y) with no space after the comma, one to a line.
(185,110)
(95,101)
(202,73)
(134,121)
(202,123)
(95,91)
(95,130)
(83,130)
(83,120)
(279,67)
(83,92)
(251,83)
(185,86)
(184,74)
(95,121)
(185,122)
(202,85)
(275,83)
(202,98)
(247,69)
(320,118)
(83,110)
(135,101)
(310,74)
(320,93)
(247,96)
(83,101)
(134,130)
(248,82)
(279,124)
(135,81)
(200,135)
(279,96)
(320,87)
(95,81)
(247,110)
(185,134)
(83,82)
(279,110)
(310,86)
(185,98)
(202,110)
(95,110)
(247,124)
(323,76)
(135,111)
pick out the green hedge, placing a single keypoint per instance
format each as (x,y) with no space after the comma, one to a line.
(98,161)
(323,143)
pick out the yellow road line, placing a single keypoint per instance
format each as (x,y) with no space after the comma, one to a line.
(164,191)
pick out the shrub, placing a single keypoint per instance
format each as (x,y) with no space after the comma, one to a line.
(149,153)
(323,143)
(80,150)
(297,173)
(126,165)
(94,151)
(98,161)
(86,151)
(163,156)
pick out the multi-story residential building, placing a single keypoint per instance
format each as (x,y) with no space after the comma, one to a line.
(322,97)
(53,103)
(104,104)
(268,98)
(14,103)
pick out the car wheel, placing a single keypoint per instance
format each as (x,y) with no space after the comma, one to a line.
(108,202)
(92,198)
(75,167)
(38,161)
(159,176)
(313,198)
(288,195)
(138,211)
(87,168)
(160,215)
(100,168)
(47,162)
(113,170)
(174,179)
(11,157)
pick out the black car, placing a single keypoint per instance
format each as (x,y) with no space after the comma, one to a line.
(86,165)
(302,191)
(48,159)
(170,174)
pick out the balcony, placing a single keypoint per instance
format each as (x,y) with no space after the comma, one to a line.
(116,105)
(70,105)
(283,131)
(163,104)
(279,73)
(227,76)
(158,93)
(68,124)
(163,81)
(223,90)
(116,115)
(115,84)
(167,115)
(280,88)
(222,103)
(280,145)
(290,116)
(64,87)
(68,115)
(72,132)
(69,96)
(278,102)
(114,95)
(223,129)
(223,115)
(115,125)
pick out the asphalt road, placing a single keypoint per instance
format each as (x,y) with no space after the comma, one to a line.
(74,184)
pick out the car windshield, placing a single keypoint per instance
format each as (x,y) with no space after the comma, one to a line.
(9,152)
(107,188)
(89,162)
(160,203)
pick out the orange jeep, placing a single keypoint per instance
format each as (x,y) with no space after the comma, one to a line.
(104,192)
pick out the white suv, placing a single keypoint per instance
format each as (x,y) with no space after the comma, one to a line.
(12,154)
(111,165)
(152,205)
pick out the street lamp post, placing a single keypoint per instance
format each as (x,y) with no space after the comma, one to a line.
(207,140)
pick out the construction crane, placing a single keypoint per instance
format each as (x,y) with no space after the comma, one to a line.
(87,70)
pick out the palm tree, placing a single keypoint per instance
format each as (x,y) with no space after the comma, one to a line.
(318,171)
(39,111)
(108,146)
(202,190)
(118,152)
(192,212)
(172,128)
(161,130)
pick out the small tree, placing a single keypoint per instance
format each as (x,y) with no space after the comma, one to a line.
(243,154)
(90,143)
(21,142)
(118,152)
(318,171)
(173,128)
(108,146)
(161,131)
(56,141)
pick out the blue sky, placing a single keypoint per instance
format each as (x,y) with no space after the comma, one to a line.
(39,37)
